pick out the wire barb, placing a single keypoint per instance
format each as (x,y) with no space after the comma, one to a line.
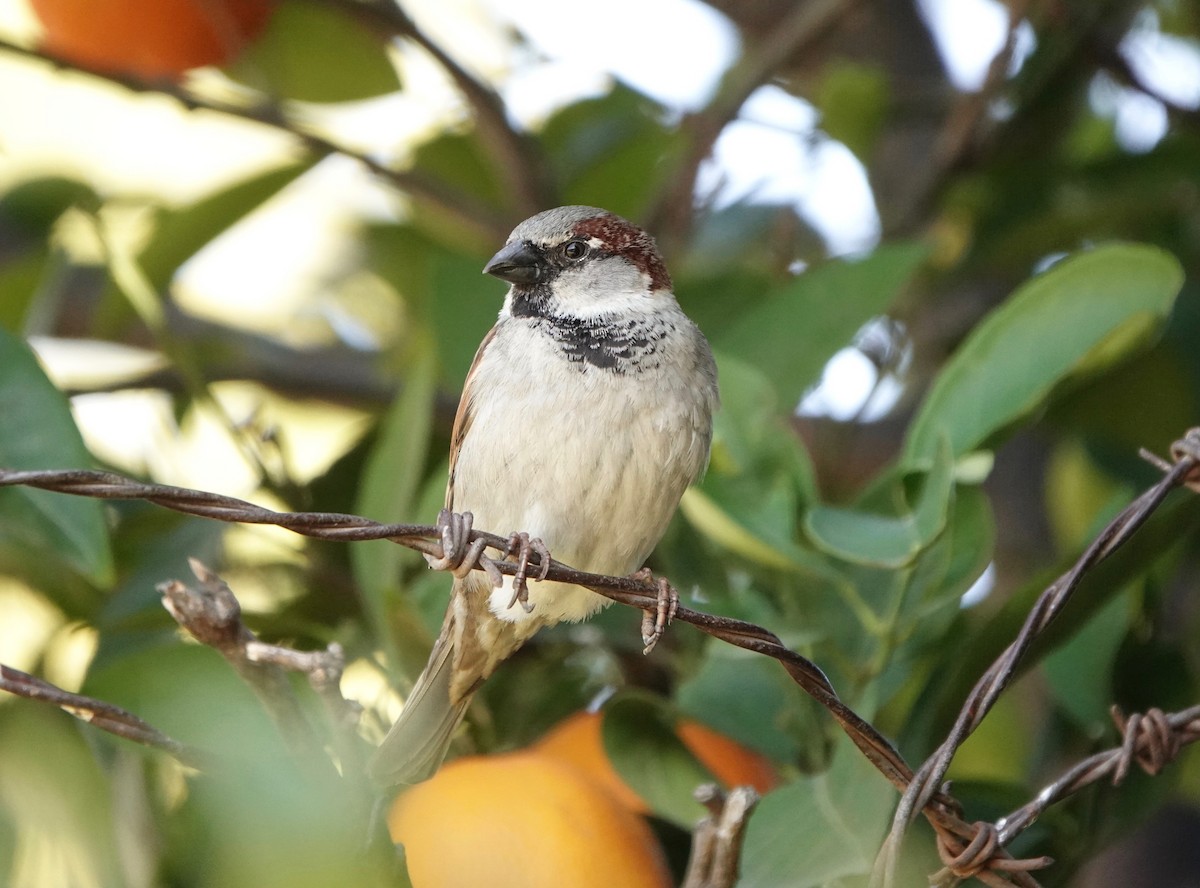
(969,850)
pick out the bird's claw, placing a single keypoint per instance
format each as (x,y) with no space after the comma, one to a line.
(656,620)
(523,547)
(459,554)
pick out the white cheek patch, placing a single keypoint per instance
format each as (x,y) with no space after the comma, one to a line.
(606,287)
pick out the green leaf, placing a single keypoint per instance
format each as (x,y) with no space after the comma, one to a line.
(1080,672)
(184,232)
(312,52)
(38,432)
(758,476)
(463,308)
(1085,313)
(716,520)
(818,829)
(612,150)
(640,740)
(747,697)
(966,654)
(793,334)
(391,481)
(854,100)
(33,206)
(883,540)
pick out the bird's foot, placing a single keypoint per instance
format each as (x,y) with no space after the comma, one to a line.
(459,555)
(523,547)
(655,620)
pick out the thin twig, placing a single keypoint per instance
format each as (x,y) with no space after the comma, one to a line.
(104,716)
(638,592)
(516,158)
(468,212)
(965,124)
(213,616)
(971,850)
(806,23)
(717,839)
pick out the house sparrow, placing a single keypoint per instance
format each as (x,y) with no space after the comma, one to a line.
(586,413)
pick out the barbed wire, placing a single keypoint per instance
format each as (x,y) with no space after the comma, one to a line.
(968,849)
(927,780)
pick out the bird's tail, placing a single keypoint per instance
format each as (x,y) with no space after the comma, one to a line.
(414,748)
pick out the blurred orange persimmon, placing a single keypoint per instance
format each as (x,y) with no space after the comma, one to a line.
(522,820)
(577,740)
(150,38)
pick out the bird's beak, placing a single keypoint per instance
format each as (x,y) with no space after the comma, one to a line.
(517,263)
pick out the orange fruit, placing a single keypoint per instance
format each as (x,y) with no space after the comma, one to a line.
(729,761)
(150,38)
(521,820)
(577,740)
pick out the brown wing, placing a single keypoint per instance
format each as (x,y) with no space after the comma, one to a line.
(464,415)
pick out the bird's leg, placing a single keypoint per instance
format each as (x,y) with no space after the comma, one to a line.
(459,555)
(655,620)
(522,546)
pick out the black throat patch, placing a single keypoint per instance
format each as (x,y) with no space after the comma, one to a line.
(604,343)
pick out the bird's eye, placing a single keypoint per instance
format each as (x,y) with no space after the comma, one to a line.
(575,249)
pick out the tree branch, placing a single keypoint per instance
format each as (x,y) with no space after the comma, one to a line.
(472,214)
(671,217)
(104,716)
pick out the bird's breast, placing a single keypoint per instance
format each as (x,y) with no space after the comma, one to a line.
(590,460)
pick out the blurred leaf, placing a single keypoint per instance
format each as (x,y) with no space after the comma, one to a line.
(39,433)
(818,829)
(458,159)
(259,817)
(390,483)
(713,518)
(751,439)
(882,540)
(950,566)
(1080,672)
(313,52)
(640,741)
(34,274)
(795,331)
(1086,312)
(21,276)
(151,548)
(62,798)
(1078,494)
(611,150)
(181,233)
(853,100)
(747,697)
(727,243)
(33,206)
(758,476)
(1001,748)
(464,307)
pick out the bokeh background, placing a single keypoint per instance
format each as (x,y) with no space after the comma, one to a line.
(262,279)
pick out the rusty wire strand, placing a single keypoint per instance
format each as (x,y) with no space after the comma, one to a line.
(640,592)
(928,778)
(989,862)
